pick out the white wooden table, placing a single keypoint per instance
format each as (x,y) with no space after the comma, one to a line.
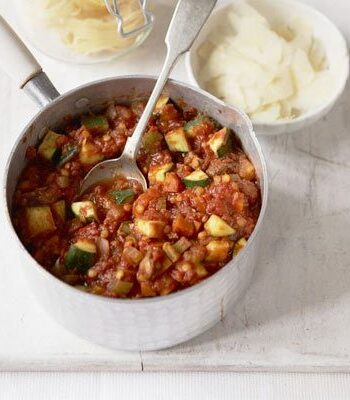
(296,313)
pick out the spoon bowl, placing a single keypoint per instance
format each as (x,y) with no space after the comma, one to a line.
(110,168)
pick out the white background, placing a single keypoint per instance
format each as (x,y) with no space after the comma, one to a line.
(15,111)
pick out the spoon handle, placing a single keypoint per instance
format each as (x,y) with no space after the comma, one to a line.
(188,18)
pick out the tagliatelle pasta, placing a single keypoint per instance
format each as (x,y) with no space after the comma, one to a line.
(86,26)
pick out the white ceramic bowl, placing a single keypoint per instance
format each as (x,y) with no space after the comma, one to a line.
(324,30)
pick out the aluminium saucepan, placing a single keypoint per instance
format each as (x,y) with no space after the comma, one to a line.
(140,324)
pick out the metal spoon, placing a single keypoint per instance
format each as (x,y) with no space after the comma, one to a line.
(187,21)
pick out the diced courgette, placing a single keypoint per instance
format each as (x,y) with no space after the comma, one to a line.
(60,209)
(151,229)
(84,210)
(162,101)
(217,250)
(132,255)
(123,196)
(146,267)
(81,255)
(120,287)
(164,265)
(156,173)
(171,252)
(182,245)
(191,127)
(196,178)
(217,227)
(201,271)
(39,220)
(125,228)
(220,143)
(150,139)
(90,154)
(239,246)
(68,154)
(176,140)
(97,123)
(48,148)
(246,170)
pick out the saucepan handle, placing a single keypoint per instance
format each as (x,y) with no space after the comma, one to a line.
(19,63)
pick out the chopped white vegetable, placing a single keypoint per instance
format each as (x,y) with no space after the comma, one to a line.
(285,109)
(228,90)
(302,70)
(253,100)
(285,31)
(271,112)
(280,88)
(259,44)
(315,94)
(302,34)
(317,55)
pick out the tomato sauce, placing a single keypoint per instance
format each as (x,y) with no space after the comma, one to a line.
(115,240)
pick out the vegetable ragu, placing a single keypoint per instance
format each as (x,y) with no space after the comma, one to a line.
(201,206)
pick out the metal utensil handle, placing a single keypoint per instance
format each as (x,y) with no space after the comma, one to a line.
(186,23)
(113,9)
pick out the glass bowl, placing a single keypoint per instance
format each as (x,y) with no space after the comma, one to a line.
(84,31)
